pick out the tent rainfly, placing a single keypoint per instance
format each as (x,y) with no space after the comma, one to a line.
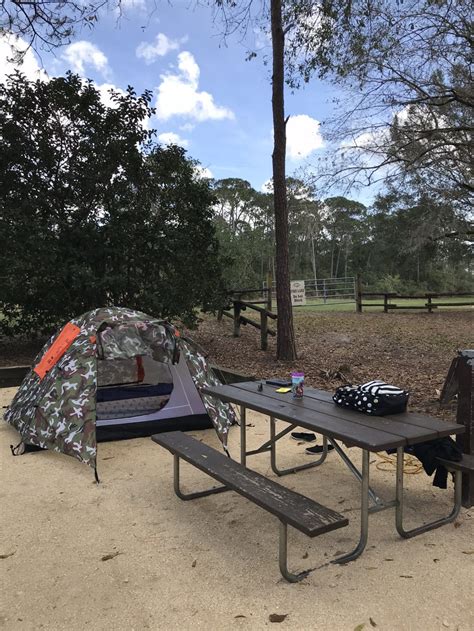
(114,373)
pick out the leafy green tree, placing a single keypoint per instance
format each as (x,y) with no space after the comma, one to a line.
(345,225)
(407,70)
(244,226)
(410,247)
(47,25)
(93,213)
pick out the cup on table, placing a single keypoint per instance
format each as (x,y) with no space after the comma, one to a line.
(297,384)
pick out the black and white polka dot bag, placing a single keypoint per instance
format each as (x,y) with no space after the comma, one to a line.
(374,397)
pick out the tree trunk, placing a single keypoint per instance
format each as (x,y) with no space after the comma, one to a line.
(313,265)
(286,348)
(337,262)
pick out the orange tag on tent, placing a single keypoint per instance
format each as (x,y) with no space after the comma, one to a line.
(57,349)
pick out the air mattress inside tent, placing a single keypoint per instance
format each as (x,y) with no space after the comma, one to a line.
(133,392)
(165,400)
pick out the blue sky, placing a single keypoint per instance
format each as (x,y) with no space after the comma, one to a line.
(208,97)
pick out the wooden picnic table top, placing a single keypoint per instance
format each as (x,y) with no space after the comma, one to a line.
(317,412)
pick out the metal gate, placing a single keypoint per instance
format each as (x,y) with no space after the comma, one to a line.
(323,292)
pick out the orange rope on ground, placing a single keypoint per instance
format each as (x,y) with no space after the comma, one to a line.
(411,464)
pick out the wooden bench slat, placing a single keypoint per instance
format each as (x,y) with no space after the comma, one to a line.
(12,376)
(466,465)
(298,511)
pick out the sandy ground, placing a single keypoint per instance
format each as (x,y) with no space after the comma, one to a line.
(213,563)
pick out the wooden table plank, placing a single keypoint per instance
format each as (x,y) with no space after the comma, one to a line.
(351,433)
(443,428)
(399,425)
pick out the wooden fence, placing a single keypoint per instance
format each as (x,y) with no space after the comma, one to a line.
(238,304)
(429,297)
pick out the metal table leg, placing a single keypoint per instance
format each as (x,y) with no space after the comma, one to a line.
(243,435)
(364,513)
(430,525)
(349,464)
(309,465)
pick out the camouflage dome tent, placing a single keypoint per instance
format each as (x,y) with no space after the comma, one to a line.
(114,373)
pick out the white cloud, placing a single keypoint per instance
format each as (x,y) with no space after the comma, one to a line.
(303,136)
(178,94)
(106,98)
(267,186)
(187,127)
(82,54)
(159,48)
(203,173)
(170,138)
(133,4)
(105,95)
(15,54)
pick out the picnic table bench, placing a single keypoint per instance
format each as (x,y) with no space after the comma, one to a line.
(291,508)
(317,412)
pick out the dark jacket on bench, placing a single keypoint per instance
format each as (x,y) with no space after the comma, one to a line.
(428,454)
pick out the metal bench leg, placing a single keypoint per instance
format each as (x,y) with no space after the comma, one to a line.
(191,496)
(283,558)
(364,513)
(309,465)
(430,525)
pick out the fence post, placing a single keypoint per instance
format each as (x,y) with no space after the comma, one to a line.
(430,309)
(385,303)
(358,294)
(237,307)
(263,331)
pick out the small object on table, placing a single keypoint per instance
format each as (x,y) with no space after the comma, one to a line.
(279,382)
(283,390)
(260,387)
(297,384)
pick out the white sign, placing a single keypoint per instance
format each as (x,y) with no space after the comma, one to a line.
(298,294)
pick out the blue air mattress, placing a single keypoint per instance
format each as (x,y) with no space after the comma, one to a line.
(133,392)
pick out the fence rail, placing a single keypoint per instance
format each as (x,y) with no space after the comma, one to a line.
(429,305)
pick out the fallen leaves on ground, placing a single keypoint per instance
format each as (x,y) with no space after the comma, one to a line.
(410,350)
(277,617)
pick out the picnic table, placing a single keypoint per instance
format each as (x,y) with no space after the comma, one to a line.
(317,412)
